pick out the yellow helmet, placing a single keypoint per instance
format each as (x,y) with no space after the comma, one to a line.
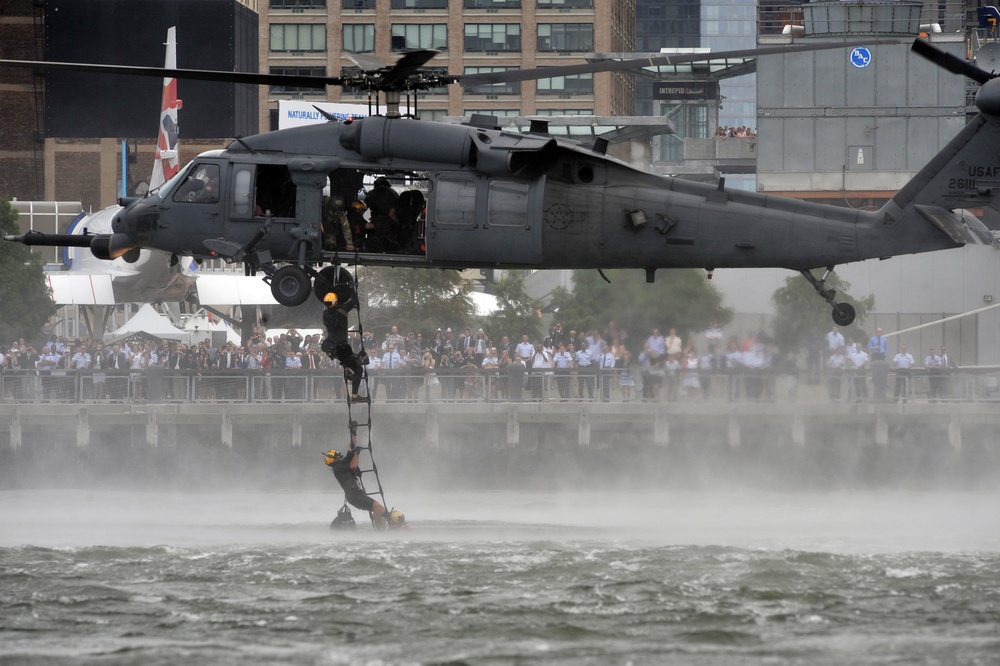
(396,518)
(330,298)
(331,456)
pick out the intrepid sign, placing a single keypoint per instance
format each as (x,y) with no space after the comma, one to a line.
(685,90)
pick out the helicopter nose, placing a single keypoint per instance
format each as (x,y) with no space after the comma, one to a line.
(139,219)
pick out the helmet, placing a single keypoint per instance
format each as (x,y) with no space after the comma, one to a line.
(382,181)
(360,206)
(330,298)
(331,456)
(396,518)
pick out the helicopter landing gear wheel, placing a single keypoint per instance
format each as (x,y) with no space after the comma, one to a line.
(290,285)
(843,314)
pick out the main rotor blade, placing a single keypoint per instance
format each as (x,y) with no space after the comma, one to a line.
(654,61)
(252,78)
(951,63)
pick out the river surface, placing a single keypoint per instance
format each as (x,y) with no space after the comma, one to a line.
(102,577)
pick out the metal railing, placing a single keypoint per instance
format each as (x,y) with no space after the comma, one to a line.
(475,385)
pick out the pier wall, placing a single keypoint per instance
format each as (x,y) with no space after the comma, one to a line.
(505,445)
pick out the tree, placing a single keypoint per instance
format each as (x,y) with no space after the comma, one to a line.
(25,303)
(802,318)
(680,298)
(516,313)
(418,299)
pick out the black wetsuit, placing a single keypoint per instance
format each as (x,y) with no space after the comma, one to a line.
(336,344)
(351,483)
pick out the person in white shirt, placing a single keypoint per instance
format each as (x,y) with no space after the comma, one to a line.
(585,372)
(834,340)
(525,350)
(674,343)
(563,362)
(608,373)
(902,362)
(857,364)
(540,362)
(392,364)
(81,359)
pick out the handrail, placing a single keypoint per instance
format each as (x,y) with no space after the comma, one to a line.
(491,385)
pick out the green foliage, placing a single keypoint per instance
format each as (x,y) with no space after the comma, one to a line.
(416,299)
(516,313)
(802,318)
(25,303)
(682,298)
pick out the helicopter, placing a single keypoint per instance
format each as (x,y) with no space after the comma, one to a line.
(495,198)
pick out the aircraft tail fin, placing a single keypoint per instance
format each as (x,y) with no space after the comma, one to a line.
(166,162)
(963,175)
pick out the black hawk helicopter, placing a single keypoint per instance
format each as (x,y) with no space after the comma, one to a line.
(502,199)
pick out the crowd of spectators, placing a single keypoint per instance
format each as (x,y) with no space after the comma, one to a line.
(741,132)
(564,364)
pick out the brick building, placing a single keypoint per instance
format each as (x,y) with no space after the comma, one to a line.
(54,146)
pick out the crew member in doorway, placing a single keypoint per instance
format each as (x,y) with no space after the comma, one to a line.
(381,201)
(345,470)
(336,345)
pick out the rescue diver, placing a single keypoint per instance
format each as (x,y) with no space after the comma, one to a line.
(345,470)
(339,302)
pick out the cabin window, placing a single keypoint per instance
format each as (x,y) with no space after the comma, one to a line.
(200,186)
(456,202)
(242,194)
(275,191)
(508,204)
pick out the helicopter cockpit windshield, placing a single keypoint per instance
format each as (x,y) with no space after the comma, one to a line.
(200,186)
(163,191)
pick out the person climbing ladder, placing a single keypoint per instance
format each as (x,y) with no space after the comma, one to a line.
(340,300)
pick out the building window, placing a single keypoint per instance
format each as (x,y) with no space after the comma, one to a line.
(578,84)
(497,113)
(564,112)
(508,88)
(296,4)
(492,37)
(565,4)
(358,4)
(492,4)
(420,4)
(419,36)
(565,37)
(359,37)
(298,37)
(292,89)
(437,115)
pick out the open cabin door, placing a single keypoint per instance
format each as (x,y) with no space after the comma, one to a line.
(475,219)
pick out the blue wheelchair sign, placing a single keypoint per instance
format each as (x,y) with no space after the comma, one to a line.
(861,57)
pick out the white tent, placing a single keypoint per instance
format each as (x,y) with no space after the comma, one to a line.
(147,320)
(199,327)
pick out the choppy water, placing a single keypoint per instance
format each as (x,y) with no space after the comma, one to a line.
(149,578)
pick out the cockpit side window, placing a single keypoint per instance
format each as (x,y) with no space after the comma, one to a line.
(200,186)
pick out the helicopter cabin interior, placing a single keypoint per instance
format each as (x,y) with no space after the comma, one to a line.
(465,217)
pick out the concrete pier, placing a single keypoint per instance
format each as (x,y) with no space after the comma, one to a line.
(845,441)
